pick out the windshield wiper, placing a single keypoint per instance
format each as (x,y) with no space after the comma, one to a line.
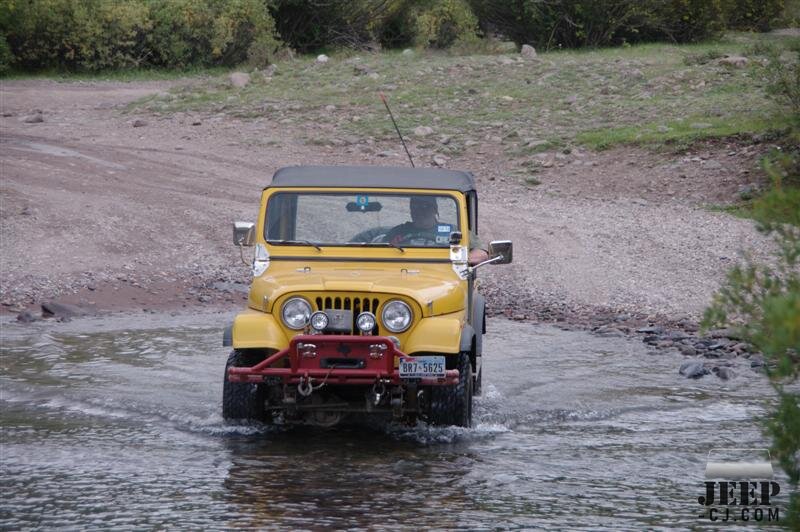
(295,242)
(383,244)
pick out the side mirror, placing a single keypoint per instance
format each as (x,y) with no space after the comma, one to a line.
(502,250)
(244,233)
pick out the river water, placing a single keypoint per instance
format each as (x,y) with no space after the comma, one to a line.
(115,423)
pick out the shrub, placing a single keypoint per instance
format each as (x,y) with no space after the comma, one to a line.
(571,23)
(308,25)
(442,23)
(100,34)
(752,15)
(6,57)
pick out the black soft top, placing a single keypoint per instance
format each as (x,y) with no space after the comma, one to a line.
(372,177)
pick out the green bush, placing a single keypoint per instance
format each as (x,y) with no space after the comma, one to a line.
(752,15)
(6,58)
(101,34)
(573,23)
(442,23)
(310,25)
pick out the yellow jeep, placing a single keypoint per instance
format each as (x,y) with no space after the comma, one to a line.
(363,299)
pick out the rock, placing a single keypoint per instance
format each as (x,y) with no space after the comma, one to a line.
(527,51)
(439,160)
(361,70)
(322,58)
(269,71)
(203,298)
(663,129)
(723,333)
(239,79)
(701,125)
(650,330)
(711,164)
(756,361)
(423,131)
(747,192)
(537,143)
(688,350)
(373,75)
(664,344)
(26,317)
(507,61)
(735,61)
(650,339)
(139,123)
(723,372)
(330,108)
(693,369)
(445,139)
(197,123)
(62,310)
(505,47)
(507,98)
(33,119)
(408,52)
(741,347)
(385,154)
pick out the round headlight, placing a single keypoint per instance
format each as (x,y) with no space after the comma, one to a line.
(365,322)
(296,312)
(396,316)
(319,321)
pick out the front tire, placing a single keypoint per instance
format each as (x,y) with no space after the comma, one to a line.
(243,401)
(452,405)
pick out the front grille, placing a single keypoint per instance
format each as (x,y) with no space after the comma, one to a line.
(348,302)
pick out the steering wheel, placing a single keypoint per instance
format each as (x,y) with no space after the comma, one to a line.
(417,236)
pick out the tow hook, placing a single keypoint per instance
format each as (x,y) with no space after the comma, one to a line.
(305,387)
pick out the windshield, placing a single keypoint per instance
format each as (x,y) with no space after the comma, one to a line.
(361,219)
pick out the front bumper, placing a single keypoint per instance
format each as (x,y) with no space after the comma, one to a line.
(337,360)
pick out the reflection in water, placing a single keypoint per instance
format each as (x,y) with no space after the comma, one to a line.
(113,423)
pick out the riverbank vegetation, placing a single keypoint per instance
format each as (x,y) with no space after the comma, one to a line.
(763,301)
(97,35)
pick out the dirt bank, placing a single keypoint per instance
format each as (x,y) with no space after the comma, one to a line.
(97,211)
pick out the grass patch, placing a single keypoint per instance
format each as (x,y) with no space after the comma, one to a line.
(140,74)
(646,94)
(682,132)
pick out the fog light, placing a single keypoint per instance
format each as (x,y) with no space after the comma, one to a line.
(319,321)
(365,322)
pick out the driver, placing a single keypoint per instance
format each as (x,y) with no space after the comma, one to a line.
(422,227)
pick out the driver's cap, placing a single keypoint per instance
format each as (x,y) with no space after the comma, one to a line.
(424,203)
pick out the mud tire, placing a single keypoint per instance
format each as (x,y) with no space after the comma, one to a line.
(243,401)
(452,405)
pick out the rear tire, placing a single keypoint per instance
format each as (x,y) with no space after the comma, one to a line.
(452,405)
(243,401)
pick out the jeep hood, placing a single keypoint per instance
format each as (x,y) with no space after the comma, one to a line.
(424,283)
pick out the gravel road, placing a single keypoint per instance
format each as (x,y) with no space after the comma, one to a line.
(99,212)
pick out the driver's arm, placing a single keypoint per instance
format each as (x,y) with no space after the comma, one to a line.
(476,252)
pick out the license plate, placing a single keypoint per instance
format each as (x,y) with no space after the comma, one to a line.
(421,367)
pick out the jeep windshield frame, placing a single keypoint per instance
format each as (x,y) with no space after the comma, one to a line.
(362,219)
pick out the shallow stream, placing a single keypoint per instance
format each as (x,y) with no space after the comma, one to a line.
(115,423)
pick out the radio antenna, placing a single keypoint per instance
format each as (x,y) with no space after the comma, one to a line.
(383,99)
